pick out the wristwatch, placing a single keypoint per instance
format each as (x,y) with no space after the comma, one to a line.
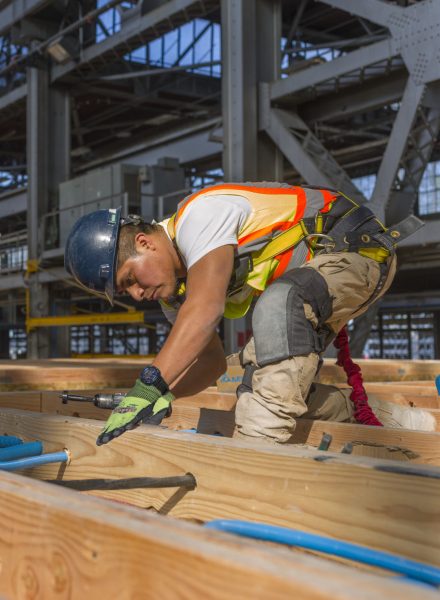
(152,376)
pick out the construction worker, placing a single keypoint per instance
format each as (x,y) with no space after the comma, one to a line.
(310,257)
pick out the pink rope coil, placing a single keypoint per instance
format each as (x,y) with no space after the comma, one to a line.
(362,410)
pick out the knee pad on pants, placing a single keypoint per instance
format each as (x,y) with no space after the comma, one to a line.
(281,329)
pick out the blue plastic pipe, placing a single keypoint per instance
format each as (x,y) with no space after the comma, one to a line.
(21,451)
(34,461)
(9,440)
(292,537)
(437,383)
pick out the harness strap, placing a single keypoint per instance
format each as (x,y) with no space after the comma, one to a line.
(171,226)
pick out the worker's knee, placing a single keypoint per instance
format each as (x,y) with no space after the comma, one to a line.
(280,325)
(329,403)
(273,397)
(258,420)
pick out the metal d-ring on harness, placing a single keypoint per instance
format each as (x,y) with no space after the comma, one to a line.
(312,244)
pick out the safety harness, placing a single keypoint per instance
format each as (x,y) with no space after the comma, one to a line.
(344,227)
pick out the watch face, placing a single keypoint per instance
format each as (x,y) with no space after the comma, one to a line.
(150,375)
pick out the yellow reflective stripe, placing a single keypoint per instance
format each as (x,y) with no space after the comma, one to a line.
(289,238)
(319,223)
(171,227)
(380,255)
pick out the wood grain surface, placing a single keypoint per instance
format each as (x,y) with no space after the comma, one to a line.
(382,504)
(59,545)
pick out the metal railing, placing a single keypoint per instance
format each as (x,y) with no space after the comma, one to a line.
(13,252)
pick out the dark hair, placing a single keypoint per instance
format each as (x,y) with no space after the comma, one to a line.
(126,242)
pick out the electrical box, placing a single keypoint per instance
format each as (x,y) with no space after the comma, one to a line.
(151,191)
(162,188)
(108,187)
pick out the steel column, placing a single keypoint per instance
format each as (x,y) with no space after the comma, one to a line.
(37,126)
(251,33)
(48,159)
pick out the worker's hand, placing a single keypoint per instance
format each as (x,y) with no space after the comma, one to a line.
(143,403)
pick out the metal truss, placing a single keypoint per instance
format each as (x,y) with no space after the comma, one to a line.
(304,150)
(412,41)
(135,33)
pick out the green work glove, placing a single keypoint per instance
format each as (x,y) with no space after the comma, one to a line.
(143,403)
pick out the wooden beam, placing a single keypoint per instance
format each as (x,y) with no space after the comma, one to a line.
(103,373)
(56,543)
(419,447)
(195,412)
(22,400)
(382,504)
(67,374)
(372,370)
(384,370)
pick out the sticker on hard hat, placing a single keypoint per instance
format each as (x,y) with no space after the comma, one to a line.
(112,216)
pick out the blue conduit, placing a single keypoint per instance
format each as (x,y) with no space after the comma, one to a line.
(292,537)
(9,440)
(21,451)
(437,383)
(34,461)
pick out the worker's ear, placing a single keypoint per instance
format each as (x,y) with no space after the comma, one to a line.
(144,241)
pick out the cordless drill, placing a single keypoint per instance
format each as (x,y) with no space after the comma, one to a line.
(110,401)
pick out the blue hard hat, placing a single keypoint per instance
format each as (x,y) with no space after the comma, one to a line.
(91,250)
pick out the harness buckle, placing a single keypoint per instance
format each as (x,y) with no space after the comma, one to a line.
(328,246)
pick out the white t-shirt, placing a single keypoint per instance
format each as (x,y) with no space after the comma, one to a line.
(207,223)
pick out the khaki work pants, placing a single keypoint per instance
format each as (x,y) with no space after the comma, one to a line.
(281,392)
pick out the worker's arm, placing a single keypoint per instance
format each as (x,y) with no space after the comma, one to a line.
(192,334)
(197,319)
(208,367)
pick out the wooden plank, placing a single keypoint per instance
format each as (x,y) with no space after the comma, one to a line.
(384,370)
(211,398)
(419,447)
(372,370)
(21,400)
(359,499)
(436,415)
(50,402)
(420,396)
(59,375)
(93,548)
(101,373)
(195,412)
(380,442)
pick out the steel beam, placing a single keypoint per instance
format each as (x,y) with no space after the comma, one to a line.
(16,281)
(17,10)
(189,144)
(395,149)
(363,98)
(304,150)
(13,203)
(358,59)
(135,33)
(375,11)
(13,96)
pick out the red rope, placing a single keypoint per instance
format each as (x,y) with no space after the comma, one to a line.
(362,410)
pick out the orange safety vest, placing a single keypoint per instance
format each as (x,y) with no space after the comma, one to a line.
(278,210)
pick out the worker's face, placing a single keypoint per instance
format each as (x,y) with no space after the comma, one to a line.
(151,274)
